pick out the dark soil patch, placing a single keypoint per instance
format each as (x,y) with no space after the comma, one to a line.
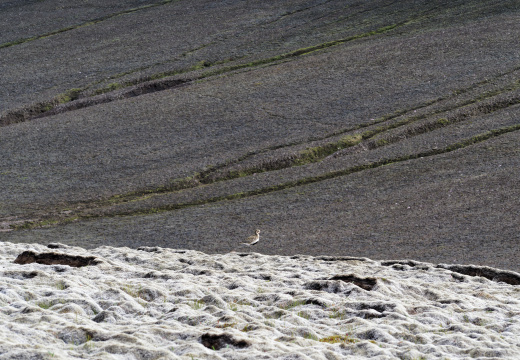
(489,273)
(219,341)
(29,257)
(364,283)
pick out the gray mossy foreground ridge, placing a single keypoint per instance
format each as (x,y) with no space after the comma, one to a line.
(65,302)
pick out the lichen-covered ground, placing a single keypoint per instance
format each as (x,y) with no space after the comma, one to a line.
(157,303)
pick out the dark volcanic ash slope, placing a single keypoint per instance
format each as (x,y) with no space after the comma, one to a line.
(381,129)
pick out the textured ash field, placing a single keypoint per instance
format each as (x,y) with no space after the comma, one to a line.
(377,129)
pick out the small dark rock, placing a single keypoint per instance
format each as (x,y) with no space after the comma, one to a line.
(99,318)
(364,283)
(399,264)
(57,246)
(325,285)
(450,301)
(150,249)
(379,307)
(508,277)
(219,341)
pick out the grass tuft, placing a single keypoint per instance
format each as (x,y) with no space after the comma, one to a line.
(335,339)
(44,305)
(247,328)
(291,304)
(197,304)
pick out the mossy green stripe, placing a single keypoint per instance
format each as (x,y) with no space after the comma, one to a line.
(287,185)
(471,141)
(302,51)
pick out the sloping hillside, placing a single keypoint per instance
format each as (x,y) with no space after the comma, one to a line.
(385,129)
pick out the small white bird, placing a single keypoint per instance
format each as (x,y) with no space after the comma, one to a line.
(252,240)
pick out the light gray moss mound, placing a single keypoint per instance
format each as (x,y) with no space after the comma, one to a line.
(156,303)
